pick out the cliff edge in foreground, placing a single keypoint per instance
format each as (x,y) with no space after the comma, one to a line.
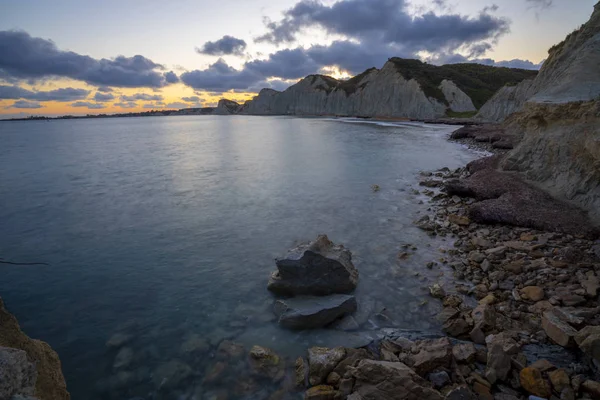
(559,122)
(50,384)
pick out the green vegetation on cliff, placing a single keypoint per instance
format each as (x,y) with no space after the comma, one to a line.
(479,82)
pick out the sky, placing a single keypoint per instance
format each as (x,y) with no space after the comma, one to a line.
(88,57)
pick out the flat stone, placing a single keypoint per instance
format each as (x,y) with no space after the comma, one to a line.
(560,332)
(318,268)
(311,312)
(460,220)
(171,374)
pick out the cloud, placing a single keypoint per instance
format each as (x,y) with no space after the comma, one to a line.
(27,57)
(178,105)
(62,94)
(440,59)
(540,4)
(220,77)
(128,104)
(105,89)
(88,104)
(286,64)
(142,96)
(227,45)
(192,99)
(100,97)
(386,22)
(171,77)
(153,105)
(25,104)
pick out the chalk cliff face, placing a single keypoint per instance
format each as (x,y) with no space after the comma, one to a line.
(506,101)
(457,99)
(560,122)
(375,93)
(50,384)
(226,107)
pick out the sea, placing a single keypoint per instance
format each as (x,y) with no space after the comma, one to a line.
(156,237)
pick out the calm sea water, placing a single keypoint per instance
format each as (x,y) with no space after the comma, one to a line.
(166,229)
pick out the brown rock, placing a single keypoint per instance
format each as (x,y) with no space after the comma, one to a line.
(228,349)
(542,365)
(559,379)
(482,391)
(432,354)
(215,372)
(527,237)
(533,293)
(488,300)
(50,383)
(533,382)
(321,392)
(321,361)
(386,380)
(464,353)
(300,372)
(560,332)
(591,387)
(266,363)
(484,317)
(459,220)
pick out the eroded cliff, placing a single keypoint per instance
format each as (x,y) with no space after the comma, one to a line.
(401,89)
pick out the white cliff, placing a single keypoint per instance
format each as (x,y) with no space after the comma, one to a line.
(457,99)
(381,93)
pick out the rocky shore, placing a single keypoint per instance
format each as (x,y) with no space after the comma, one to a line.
(29,369)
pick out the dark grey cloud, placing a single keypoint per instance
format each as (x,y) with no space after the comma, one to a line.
(192,99)
(100,97)
(126,104)
(142,96)
(25,57)
(286,64)
(225,46)
(105,89)
(88,104)
(386,22)
(220,77)
(540,4)
(25,104)
(62,94)
(351,56)
(171,77)
(178,105)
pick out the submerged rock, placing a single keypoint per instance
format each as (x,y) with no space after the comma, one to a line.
(266,363)
(318,268)
(313,312)
(322,361)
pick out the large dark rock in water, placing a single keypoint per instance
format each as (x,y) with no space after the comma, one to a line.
(318,268)
(313,312)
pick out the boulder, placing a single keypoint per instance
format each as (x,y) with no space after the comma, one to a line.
(322,361)
(309,312)
(432,354)
(377,380)
(588,340)
(592,388)
(17,374)
(559,379)
(560,332)
(532,381)
(318,268)
(484,317)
